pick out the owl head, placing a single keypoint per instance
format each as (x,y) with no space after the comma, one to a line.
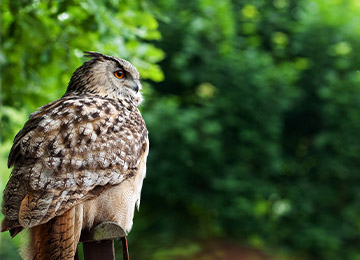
(107,76)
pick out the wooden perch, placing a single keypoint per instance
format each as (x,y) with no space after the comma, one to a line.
(98,243)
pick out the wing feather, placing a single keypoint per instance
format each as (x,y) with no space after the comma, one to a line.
(69,151)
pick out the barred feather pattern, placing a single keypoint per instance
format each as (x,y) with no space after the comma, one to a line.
(58,238)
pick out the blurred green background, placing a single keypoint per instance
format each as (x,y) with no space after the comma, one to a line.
(253,110)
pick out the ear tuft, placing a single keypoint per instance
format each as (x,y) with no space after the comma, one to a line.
(93,54)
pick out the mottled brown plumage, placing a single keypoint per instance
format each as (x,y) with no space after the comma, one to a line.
(79,160)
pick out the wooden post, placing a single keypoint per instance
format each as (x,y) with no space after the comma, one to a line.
(99,250)
(98,243)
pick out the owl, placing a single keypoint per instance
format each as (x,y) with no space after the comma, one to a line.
(78,161)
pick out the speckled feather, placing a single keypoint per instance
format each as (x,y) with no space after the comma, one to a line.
(75,144)
(74,149)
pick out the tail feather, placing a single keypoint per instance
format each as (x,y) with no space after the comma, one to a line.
(58,238)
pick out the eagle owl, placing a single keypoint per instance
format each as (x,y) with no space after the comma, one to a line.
(79,161)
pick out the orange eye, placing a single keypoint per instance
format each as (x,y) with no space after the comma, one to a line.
(119,74)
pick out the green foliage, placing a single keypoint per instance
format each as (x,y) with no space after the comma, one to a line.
(254,130)
(252,114)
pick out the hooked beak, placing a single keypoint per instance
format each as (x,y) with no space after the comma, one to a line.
(135,85)
(136,88)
